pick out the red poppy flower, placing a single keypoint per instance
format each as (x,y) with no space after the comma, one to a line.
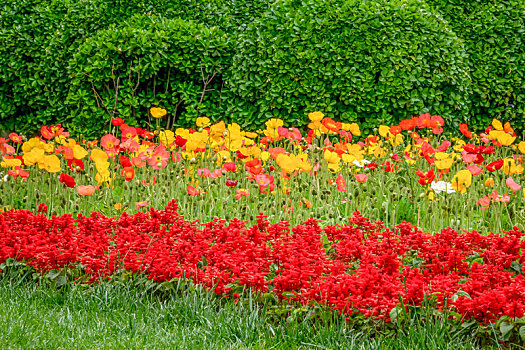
(275,151)
(240,155)
(75,165)
(148,134)
(159,158)
(66,151)
(415,135)
(203,172)
(117,121)
(478,151)
(15,138)
(48,132)
(109,142)
(140,131)
(230,166)
(192,191)
(508,129)
(124,161)
(254,166)
(512,184)
(395,130)
(495,165)
(128,132)
(17,171)
(86,190)
(180,141)
(310,137)
(372,139)
(265,181)
(372,166)
(67,180)
(425,178)
(407,124)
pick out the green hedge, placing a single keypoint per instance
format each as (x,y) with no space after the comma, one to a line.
(39,39)
(149,61)
(368,61)
(494,37)
(357,60)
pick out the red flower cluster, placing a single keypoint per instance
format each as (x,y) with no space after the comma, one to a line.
(363,269)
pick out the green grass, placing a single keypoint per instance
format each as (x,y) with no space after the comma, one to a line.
(116,315)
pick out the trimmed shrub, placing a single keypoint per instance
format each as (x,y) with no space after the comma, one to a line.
(31,63)
(38,39)
(368,61)
(494,36)
(149,61)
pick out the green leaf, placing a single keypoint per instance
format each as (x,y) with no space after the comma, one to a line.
(506,329)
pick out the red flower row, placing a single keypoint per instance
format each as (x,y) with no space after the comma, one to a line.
(363,267)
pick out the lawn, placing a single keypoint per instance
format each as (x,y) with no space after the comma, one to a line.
(114,315)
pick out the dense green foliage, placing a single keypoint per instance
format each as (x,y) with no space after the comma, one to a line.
(494,36)
(43,47)
(368,61)
(37,40)
(371,61)
(149,61)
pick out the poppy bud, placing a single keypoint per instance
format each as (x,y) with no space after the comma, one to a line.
(231,183)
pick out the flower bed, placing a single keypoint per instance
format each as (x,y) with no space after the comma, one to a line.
(403,172)
(358,268)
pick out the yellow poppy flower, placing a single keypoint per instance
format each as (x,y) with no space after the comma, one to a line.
(316,116)
(51,164)
(331,157)
(166,137)
(34,156)
(11,163)
(31,144)
(316,125)
(274,123)
(203,122)
(98,156)
(462,180)
(384,131)
(79,152)
(157,112)
(496,124)
(521,146)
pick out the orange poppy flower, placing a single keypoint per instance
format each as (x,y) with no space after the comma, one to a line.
(128,173)
(85,190)
(361,177)
(331,124)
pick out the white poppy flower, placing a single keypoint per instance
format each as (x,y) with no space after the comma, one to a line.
(361,163)
(441,186)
